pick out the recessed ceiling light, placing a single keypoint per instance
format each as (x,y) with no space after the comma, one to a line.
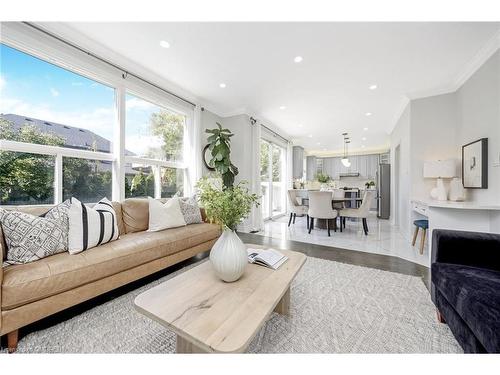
(362,146)
(222,85)
(368,114)
(310,135)
(164,44)
(363,139)
(372,87)
(318,143)
(365,129)
(298,59)
(282,107)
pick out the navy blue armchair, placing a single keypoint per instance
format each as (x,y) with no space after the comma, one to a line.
(465,274)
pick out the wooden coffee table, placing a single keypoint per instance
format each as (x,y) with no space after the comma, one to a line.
(212,316)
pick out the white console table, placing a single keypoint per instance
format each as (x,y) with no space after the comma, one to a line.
(466,216)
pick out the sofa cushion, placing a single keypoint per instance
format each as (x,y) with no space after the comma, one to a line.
(49,276)
(475,295)
(135,213)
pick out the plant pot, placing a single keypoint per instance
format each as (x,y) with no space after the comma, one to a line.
(229,256)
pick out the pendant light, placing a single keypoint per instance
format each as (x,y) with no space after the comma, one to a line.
(345,160)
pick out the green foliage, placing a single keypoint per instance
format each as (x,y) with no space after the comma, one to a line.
(26,177)
(220,148)
(368,184)
(323,178)
(170,127)
(142,185)
(226,207)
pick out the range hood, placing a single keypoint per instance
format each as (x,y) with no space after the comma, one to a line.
(351,174)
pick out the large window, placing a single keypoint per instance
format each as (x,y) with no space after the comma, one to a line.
(76,111)
(152,131)
(57,131)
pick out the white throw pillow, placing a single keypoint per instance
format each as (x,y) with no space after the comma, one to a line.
(164,216)
(91,227)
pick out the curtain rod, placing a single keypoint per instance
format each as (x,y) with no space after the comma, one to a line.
(253,121)
(125,71)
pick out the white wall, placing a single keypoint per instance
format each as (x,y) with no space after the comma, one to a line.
(437,127)
(400,136)
(479,116)
(433,136)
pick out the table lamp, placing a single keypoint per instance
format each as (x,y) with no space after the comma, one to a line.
(440,169)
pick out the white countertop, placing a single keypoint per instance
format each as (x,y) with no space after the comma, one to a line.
(455,205)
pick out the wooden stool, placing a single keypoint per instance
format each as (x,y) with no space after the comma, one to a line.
(424,224)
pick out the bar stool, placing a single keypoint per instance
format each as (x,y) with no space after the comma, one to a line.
(424,224)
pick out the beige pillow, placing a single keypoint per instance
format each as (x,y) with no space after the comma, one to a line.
(165,215)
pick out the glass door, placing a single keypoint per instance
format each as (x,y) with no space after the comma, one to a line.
(272,174)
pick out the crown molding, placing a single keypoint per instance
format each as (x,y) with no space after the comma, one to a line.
(484,53)
(488,49)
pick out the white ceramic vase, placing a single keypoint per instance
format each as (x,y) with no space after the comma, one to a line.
(229,256)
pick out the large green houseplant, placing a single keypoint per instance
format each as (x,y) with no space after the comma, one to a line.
(220,148)
(227,205)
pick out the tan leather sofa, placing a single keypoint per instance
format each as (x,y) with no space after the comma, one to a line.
(32,291)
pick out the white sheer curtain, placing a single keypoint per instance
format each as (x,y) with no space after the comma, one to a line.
(193,156)
(257,223)
(289,172)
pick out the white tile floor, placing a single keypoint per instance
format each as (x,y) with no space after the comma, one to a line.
(383,238)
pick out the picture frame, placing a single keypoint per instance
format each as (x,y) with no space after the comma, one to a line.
(475,164)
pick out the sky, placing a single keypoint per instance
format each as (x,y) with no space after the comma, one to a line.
(35,88)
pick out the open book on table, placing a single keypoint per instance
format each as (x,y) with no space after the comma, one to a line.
(266,257)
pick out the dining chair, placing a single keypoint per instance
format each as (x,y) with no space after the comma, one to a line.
(296,207)
(338,194)
(360,213)
(320,207)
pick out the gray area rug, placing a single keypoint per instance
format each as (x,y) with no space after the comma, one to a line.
(335,308)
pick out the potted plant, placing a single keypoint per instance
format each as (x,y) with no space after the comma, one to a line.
(323,178)
(369,184)
(227,205)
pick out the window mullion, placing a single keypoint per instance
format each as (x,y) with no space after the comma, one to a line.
(58,179)
(157,175)
(119,146)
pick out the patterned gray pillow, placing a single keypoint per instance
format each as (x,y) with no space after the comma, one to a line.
(190,210)
(61,213)
(30,237)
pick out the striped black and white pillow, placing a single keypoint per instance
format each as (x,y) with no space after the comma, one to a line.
(91,227)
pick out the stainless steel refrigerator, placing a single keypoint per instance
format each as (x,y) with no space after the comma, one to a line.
(384,191)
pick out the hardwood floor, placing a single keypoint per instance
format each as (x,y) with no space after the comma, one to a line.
(358,258)
(382,262)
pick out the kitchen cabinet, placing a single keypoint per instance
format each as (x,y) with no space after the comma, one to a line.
(365,165)
(297,162)
(311,168)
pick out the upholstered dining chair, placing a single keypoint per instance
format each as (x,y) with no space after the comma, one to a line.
(338,194)
(360,213)
(295,207)
(320,207)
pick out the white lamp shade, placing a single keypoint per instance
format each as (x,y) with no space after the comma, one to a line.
(440,169)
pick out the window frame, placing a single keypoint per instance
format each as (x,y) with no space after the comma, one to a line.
(26,40)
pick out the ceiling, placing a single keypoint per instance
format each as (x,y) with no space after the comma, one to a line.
(325,95)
